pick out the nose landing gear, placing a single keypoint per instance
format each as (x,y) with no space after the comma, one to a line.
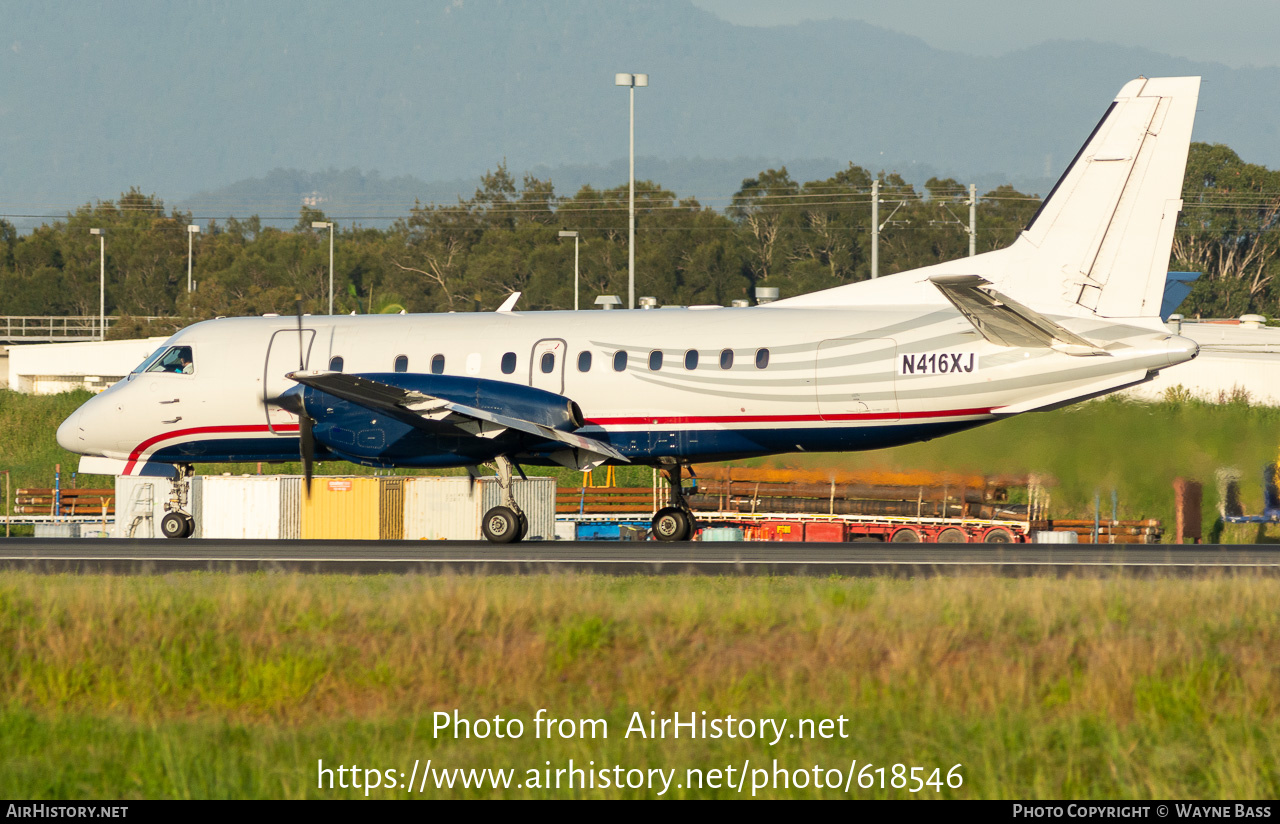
(177,523)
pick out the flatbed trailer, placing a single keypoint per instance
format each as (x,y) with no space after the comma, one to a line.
(778,526)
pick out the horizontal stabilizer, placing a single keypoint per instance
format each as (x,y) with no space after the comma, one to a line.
(1004,321)
(427,408)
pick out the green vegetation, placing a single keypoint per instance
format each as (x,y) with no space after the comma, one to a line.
(779,232)
(202,685)
(1134,448)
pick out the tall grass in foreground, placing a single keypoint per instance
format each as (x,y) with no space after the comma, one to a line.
(207,685)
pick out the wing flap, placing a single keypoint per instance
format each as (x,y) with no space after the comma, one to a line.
(1005,322)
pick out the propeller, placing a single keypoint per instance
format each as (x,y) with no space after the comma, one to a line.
(306,437)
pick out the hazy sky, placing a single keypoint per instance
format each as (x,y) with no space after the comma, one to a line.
(1235,32)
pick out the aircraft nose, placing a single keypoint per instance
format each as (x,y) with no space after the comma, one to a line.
(71,434)
(1180,349)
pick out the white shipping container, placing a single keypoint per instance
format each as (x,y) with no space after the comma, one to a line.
(537,499)
(239,506)
(441,509)
(450,508)
(139,506)
(291,507)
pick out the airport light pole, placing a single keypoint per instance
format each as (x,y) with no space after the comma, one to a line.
(192,231)
(574,235)
(102,282)
(320,224)
(631,81)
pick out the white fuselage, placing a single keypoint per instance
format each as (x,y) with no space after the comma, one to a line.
(801,379)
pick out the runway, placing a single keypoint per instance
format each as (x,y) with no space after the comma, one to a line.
(146,557)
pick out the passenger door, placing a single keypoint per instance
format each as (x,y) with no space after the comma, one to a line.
(282,358)
(546,366)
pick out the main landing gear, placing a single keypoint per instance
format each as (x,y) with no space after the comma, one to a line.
(675,522)
(177,523)
(505,524)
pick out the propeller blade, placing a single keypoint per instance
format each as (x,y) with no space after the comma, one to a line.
(307,448)
(301,347)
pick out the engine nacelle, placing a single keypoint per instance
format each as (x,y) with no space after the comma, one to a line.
(373,437)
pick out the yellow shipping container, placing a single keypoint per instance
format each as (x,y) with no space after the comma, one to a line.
(391,509)
(342,509)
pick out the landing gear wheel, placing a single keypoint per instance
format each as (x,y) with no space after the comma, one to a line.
(672,524)
(501,526)
(524,527)
(177,525)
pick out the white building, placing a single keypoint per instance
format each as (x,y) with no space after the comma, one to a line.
(1238,355)
(50,368)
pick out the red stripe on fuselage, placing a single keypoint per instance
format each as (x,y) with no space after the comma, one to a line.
(650,421)
(861,416)
(201,430)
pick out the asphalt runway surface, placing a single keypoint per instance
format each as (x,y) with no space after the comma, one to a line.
(145,557)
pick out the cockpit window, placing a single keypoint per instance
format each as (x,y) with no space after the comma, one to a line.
(151,359)
(176,359)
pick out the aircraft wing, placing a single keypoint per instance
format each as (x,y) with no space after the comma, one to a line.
(1004,321)
(479,422)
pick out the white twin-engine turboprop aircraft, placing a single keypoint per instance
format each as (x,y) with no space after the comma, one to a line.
(1068,312)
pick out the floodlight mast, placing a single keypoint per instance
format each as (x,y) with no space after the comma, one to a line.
(631,81)
(102,282)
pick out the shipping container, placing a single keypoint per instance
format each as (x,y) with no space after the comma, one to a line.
(441,509)
(239,506)
(291,507)
(139,506)
(537,499)
(342,508)
(450,508)
(391,509)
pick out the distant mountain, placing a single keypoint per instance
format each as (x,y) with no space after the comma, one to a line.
(369,199)
(181,98)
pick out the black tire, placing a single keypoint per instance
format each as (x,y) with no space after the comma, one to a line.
(524,527)
(672,524)
(999,535)
(905,536)
(952,535)
(501,526)
(176,525)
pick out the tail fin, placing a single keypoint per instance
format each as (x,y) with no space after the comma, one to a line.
(1107,225)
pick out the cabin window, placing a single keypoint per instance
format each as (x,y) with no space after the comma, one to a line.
(548,363)
(620,361)
(726,358)
(655,360)
(508,363)
(584,361)
(437,364)
(176,360)
(402,363)
(335,363)
(691,359)
(762,358)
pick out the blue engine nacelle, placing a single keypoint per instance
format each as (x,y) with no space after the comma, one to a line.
(378,437)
